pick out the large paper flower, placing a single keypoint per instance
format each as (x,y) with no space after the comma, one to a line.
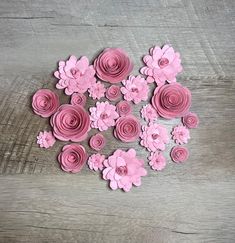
(179,154)
(124,108)
(97,142)
(124,169)
(157,161)
(45,139)
(190,120)
(113,65)
(97,90)
(70,122)
(95,162)
(113,93)
(78,99)
(180,134)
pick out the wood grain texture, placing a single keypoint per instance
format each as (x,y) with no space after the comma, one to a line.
(194,202)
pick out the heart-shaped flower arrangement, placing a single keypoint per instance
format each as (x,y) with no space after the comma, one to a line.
(72,122)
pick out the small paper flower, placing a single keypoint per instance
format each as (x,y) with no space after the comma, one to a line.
(191,120)
(97,142)
(95,162)
(180,134)
(157,161)
(78,99)
(162,65)
(124,169)
(103,115)
(97,90)
(136,89)
(45,139)
(179,154)
(124,108)
(113,93)
(149,113)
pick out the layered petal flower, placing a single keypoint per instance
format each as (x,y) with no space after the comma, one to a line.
(149,113)
(180,134)
(95,162)
(97,90)
(157,161)
(45,139)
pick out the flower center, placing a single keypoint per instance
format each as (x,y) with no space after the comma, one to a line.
(103,116)
(121,170)
(134,90)
(155,136)
(74,72)
(163,62)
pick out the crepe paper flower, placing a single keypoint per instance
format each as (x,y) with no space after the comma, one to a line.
(124,108)
(179,154)
(103,115)
(136,89)
(97,142)
(72,158)
(45,102)
(113,93)
(149,113)
(113,65)
(163,64)
(97,90)
(154,137)
(123,169)
(45,139)
(70,122)
(75,75)
(190,120)
(171,100)
(157,161)
(78,99)
(180,134)
(95,162)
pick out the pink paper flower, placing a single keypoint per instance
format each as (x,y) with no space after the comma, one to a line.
(72,158)
(179,154)
(45,102)
(171,100)
(190,120)
(127,128)
(113,93)
(113,65)
(136,89)
(124,169)
(78,99)
(95,162)
(45,139)
(154,137)
(97,90)
(180,134)
(75,75)
(149,113)
(103,115)
(162,64)
(70,122)
(157,161)
(124,108)
(97,142)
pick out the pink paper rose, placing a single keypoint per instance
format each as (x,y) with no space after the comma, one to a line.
(190,120)
(95,162)
(75,75)
(45,102)
(136,89)
(179,154)
(124,169)
(70,122)
(97,90)
(113,93)
(113,65)
(72,158)
(157,161)
(97,142)
(180,134)
(78,99)
(171,100)
(124,108)
(149,113)
(45,139)
(161,65)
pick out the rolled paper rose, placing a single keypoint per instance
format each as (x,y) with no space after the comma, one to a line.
(78,99)
(127,128)
(190,120)
(113,65)
(45,102)
(72,158)
(171,100)
(97,142)
(113,93)
(124,108)
(179,154)
(70,122)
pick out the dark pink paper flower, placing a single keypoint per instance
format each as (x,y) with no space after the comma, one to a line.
(113,93)
(149,113)
(180,134)
(97,142)
(124,108)
(70,122)
(113,65)
(45,139)
(171,100)
(78,99)
(95,162)
(124,169)
(127,128)
(96,91)
(72,158)
(179,154)
(157,161)
(45,102)
(190,120)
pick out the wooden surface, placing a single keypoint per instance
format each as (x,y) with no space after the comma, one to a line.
(192,202)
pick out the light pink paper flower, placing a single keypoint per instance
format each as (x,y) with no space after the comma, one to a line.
(70,122)
(124,108)
(149,113)
(97,142)
(97,90)
(190,120)
(157,161)
(124,169)
(171,100)
(179,154)
(72,158)
(136,89)
(95,162)
(154,137)
(162,65)
(180,134)
(113,93)
(113,65)
(78,99)
(45,102)
(103,115)
(45,139)
(75,75)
